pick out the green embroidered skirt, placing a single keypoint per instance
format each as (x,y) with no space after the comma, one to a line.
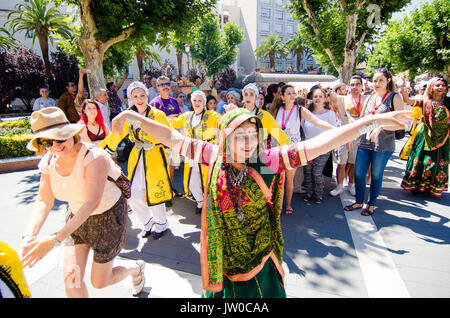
(266,284)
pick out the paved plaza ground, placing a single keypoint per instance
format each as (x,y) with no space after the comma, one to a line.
(402,251)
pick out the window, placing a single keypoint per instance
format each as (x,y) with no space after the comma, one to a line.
(265,27)
(265,13)
(279,15)
(289,29)
(279,28)
(279,3)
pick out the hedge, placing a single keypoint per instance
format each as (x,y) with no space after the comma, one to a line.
(14,137)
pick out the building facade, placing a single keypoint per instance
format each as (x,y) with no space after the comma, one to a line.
(259,19)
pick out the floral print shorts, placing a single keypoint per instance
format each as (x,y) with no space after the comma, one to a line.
(105,233)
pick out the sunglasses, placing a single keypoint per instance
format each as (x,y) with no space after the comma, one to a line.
(48,143)
(164,85)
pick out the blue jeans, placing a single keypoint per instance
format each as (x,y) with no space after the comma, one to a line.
(363,159)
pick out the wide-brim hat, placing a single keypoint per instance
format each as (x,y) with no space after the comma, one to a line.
(51,123)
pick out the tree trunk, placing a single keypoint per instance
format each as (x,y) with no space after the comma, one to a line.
(180,63)
(351,49)
(272,62)
(299,54)
(43,43)
(93,52)
(140,63)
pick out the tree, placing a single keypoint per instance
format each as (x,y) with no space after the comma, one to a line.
(22,73)
(107,22)
(65,68)
(296,44)
(271,47)
(143,55)
(215,50)
(418,42)
(335,30)
(6,40)
(44,21)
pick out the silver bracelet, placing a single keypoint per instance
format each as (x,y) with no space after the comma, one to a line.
(368,127)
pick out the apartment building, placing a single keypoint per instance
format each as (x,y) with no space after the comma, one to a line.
(259,19)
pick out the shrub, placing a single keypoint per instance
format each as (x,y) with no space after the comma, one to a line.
(15,146)
(14,136)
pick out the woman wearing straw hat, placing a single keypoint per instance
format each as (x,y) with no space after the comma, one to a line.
(77,172)
(148,168)
(241,240)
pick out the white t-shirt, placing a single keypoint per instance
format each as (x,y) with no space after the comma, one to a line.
(312,130)
(105,112)
(292,128)
(41,103)
(152,93)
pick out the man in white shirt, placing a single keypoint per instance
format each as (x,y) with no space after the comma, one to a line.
(349,109)
(101,97)
(152,90)
(44,101)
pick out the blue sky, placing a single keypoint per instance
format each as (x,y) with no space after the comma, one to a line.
(413,5)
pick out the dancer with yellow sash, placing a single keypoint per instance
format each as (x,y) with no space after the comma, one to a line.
(147,165)
(199,124)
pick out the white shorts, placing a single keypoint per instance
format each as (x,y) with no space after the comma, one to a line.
(342,156)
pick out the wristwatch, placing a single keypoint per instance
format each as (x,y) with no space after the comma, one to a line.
(55,240)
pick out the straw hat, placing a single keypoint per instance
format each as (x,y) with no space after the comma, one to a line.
(51,123)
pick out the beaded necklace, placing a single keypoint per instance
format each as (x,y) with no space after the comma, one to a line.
(237,181)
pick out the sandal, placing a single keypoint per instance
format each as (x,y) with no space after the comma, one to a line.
(366,211)
(352,207)
(307,198)
(318,201)
(139,281)
(289,211)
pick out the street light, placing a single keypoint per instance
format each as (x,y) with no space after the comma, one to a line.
(187,48)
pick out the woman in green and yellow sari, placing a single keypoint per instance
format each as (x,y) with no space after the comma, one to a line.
(241,240)
(427,166)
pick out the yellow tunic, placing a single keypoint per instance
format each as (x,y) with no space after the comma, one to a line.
(205,131)
(159,186)
(272,129)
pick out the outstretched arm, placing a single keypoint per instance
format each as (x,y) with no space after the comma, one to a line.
(333,138)
(165,134)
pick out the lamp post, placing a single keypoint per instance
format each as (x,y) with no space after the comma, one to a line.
(187,48)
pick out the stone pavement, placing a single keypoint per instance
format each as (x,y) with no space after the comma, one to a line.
(402,251)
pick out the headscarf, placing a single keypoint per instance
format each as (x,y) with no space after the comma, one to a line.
(131,87)
(255,89)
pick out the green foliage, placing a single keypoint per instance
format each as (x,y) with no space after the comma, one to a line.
(418,42)
(271,47)
(213,49)
(14,136)
(14,146)
(6,40)
(330,17)
(39,17)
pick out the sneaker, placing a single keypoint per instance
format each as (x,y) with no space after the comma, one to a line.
(337,191)
(351,189)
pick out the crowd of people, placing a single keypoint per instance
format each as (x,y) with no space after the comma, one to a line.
(245,152)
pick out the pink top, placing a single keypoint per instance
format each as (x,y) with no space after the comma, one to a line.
(71,188)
